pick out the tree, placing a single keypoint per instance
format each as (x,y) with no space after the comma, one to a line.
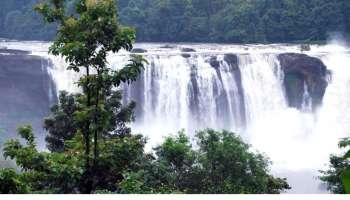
(222,164)
(337,176)
(238,21)
(11,183)
(42,172)
(90,126)
(232,168)
(85,39)
(60,126)
(62,173)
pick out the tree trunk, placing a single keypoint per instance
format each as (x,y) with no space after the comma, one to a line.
(87,177)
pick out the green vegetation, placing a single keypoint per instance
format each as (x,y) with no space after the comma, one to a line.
(222,164)
(337,177)
(11,183)
(234,21)
(84,38)
(19,21)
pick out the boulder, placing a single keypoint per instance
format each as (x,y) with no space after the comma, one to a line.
(168,46)
(301,70)
(187,50)
(186,55)
(305,47)
(232,59)
(213,61)
(138,50)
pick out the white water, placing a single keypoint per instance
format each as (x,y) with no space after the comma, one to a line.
(176,92)
(262,79)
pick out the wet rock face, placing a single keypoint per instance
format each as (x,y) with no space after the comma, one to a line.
(214,62)
(139,50)
(27,92)
(187,50)
(233,68)
(232,59)
(301,70)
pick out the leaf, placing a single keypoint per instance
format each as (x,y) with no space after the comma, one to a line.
(347,155)
(346,180)
(345,142)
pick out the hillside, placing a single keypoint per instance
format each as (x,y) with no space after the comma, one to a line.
(230,21)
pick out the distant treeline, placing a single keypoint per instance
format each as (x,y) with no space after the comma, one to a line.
(233,21)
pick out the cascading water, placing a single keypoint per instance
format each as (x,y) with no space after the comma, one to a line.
(185,93)
(261,79)
(239,88)
(333,117)
(306,105)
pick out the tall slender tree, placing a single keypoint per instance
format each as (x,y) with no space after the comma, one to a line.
(84,38)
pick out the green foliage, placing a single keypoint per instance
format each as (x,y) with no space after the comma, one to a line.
(61,173)
(91,145)
(235,21)
(60,125)
(222,163)
(43,172)
(84,38)
(346,180)
(26,132)
(332,176)
(11,183)
(18,21)
(345,176)
(337,176)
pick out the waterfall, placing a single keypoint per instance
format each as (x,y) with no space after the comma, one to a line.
(272,127)
(177,92)
(307,100)
(239,88)
(65,80)
(333,117)
(261,79)
(186,93)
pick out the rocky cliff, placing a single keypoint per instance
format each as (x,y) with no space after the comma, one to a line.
(27,92)
(301,70)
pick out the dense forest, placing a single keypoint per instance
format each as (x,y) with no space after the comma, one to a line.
(231,21)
